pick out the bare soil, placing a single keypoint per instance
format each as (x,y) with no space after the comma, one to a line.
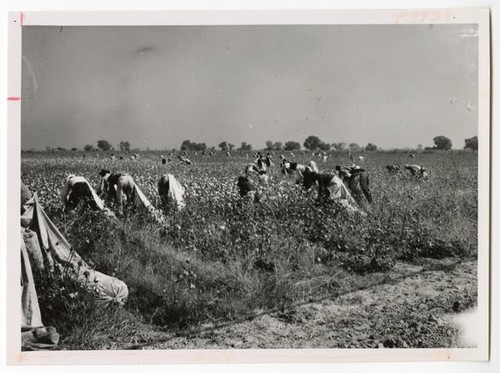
(414,309)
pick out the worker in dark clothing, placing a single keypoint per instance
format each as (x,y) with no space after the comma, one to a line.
(245,186)
(358,182)
(26,195)
(247,189)
(417,171)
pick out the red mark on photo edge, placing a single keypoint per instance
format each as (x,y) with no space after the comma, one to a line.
(13,98)
(21,17)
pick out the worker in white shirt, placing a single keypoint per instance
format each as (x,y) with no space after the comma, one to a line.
(77,189)
(117,186)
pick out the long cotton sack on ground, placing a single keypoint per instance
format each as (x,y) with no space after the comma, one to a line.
(176,192)
(98,201)
(140,200)
(56,251)
(339,192)
(31,315)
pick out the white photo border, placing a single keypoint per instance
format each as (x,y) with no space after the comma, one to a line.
(17,20)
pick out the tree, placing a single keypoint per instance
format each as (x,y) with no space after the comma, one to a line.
(292,145)
(193,146)
(200,147)
(312,142)
(339,146)
(223,146)
(371,147)
(245,146)
(420,147)
(104,145)
(274,145)
(230,146)
(74,149)
(88,147)
(324,146)
(472,144)
(186,145)
(124,146)
(353,147)
(442,143)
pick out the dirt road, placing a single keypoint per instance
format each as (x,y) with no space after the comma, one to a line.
(414,309)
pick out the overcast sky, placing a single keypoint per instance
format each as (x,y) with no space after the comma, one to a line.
(392,85)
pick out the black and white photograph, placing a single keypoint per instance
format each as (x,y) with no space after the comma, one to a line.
(254,186)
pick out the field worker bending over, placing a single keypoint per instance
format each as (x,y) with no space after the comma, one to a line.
(260,163)
(331,187)
(393,168)
(252,169)
(247,189)
(417,171)
(268,161)
(117,186)
(289,167)
(76,190)
(26,195)
(171,192)
(313,166)
(358,183)
(184,160)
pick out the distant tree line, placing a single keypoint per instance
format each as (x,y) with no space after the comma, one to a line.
(312,143)
(193,146)
(225,146)
(245,147)
(105,145)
